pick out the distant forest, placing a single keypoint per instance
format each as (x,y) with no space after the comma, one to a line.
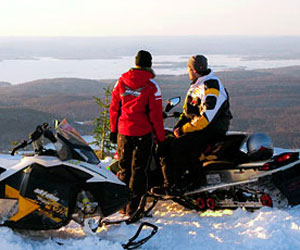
(261,101)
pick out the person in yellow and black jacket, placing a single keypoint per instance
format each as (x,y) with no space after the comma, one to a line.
(205,119)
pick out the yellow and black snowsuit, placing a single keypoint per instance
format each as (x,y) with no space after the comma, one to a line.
(206,105)
(205,119)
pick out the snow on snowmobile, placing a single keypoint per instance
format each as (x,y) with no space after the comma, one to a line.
(239,171)
(52,187)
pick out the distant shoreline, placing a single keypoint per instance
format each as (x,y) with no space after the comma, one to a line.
(4,84)
(242,55)
(103,69)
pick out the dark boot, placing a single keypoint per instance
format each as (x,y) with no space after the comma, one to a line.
(133,205)
(123,210)
(159,190)
(167,171)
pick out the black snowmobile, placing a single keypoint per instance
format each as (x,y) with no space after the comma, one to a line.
(239,171)
(232,178)
(54,186)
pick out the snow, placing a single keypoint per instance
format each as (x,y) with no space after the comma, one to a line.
(179,228)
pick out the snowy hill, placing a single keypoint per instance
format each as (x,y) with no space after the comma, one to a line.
(179,228)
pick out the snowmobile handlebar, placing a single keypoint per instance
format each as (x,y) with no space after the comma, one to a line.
(39,131)
(22,145)
(174,114)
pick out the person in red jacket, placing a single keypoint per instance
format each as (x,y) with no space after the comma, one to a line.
(135,115)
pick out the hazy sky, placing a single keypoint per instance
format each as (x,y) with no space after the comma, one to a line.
(149,17)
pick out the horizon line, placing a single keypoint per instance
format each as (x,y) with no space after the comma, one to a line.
(146,36)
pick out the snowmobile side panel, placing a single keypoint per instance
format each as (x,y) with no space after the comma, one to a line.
(98,172)
(46,196)
(212,188)
(288,182)
(229,176)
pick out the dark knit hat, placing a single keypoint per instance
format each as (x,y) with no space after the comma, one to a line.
(143,59)
(198,63)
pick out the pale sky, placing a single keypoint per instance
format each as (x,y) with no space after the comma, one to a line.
(149,17)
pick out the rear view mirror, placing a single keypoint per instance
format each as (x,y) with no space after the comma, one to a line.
(172,103)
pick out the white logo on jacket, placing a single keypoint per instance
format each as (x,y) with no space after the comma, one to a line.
(132,92)
(158,91)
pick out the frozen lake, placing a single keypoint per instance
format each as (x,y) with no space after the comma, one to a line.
(20,71)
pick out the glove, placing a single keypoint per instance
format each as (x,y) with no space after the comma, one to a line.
(182,120)
(161,149)
(178,132)
(113,137)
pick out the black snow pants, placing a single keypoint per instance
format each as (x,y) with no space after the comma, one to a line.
(183,154)
(134,158)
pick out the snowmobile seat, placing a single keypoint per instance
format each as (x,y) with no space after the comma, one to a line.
(227,150)
(219,165)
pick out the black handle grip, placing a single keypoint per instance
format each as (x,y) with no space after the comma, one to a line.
(49,135)
(22,145)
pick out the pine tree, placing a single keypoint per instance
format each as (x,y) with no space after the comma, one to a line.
(102,130)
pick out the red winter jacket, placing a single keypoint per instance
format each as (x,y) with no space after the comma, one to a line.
(136,105)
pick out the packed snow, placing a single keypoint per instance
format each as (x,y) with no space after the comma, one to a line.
(179,228)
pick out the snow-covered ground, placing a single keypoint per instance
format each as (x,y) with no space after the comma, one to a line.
(179,228)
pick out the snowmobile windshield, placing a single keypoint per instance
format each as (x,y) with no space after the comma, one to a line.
(71,145)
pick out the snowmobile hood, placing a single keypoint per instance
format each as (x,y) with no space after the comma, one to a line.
(136,78)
